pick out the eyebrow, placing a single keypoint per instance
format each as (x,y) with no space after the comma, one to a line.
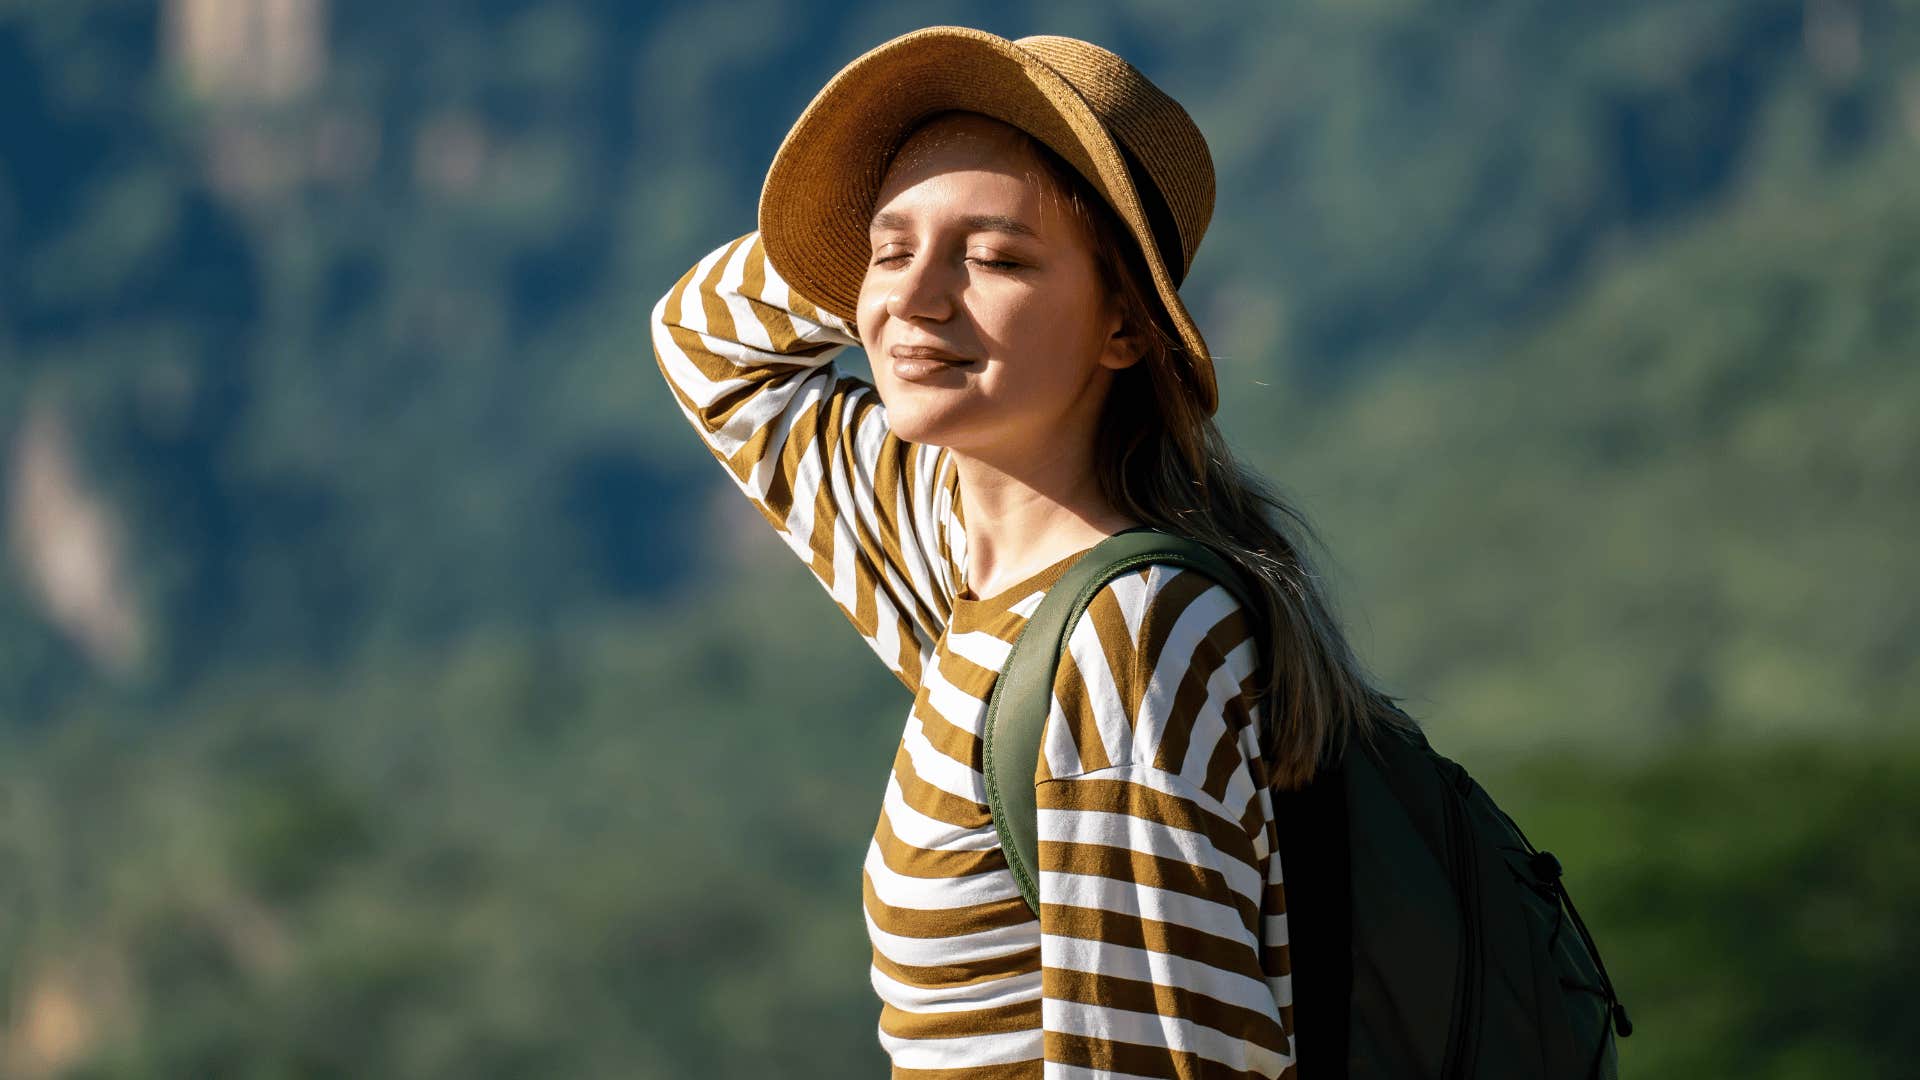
(888,219)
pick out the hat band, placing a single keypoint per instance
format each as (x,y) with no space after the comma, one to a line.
(1160,222)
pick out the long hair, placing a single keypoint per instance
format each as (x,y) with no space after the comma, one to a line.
(1164,462)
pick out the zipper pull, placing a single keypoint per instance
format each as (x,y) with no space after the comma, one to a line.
(1545,866)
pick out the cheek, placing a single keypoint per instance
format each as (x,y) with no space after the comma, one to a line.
(870,311)
(1054,337)
(870,319)
(867,319)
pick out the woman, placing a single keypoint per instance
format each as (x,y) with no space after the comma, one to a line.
(1002,225)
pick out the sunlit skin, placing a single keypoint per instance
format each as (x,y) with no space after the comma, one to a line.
(975,257)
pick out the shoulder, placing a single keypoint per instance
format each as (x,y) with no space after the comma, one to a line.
(1160,671)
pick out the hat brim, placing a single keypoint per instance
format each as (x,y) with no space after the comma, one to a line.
(819,195)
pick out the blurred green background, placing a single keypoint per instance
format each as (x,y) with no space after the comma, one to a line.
(393,686)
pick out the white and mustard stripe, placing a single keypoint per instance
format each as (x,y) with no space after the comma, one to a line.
(1160,949)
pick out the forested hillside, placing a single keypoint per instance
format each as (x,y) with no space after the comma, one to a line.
(394,687)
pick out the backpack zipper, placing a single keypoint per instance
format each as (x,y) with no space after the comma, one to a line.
(1463,1042)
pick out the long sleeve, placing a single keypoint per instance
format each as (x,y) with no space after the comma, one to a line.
(873,516)
(1163,945)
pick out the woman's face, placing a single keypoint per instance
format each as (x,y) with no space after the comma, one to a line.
(982,310)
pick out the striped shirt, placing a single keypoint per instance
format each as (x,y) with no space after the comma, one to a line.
(1160,948)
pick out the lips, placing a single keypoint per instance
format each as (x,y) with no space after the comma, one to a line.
(927,352)
(926,364)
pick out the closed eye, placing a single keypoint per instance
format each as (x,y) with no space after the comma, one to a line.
(991,264)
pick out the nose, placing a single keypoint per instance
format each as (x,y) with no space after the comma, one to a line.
(924,290)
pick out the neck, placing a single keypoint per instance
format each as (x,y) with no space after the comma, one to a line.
(1023,516)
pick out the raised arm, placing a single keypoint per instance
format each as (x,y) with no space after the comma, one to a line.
(1163,945)
(872,516)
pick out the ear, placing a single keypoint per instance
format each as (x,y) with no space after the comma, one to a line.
(1123,347)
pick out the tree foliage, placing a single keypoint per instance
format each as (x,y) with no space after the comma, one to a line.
(478,728)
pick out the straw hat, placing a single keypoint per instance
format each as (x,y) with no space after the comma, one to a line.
(1137,146)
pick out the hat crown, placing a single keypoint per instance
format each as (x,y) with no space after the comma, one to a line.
(1153,128)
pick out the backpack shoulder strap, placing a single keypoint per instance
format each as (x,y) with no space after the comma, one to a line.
(1022,696)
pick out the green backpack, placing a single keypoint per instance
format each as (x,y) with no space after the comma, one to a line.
(1430,939)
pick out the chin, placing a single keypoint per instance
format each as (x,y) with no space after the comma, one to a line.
(925,422)
(919,428)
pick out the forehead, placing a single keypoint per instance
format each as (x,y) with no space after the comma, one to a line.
(969,158)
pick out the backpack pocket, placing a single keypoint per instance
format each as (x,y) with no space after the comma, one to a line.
(1547,976)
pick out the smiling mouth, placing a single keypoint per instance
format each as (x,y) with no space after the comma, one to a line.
(920,364)
(922,353)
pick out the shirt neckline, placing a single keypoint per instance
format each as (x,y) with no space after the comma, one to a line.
(1005,597)
(970,611)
